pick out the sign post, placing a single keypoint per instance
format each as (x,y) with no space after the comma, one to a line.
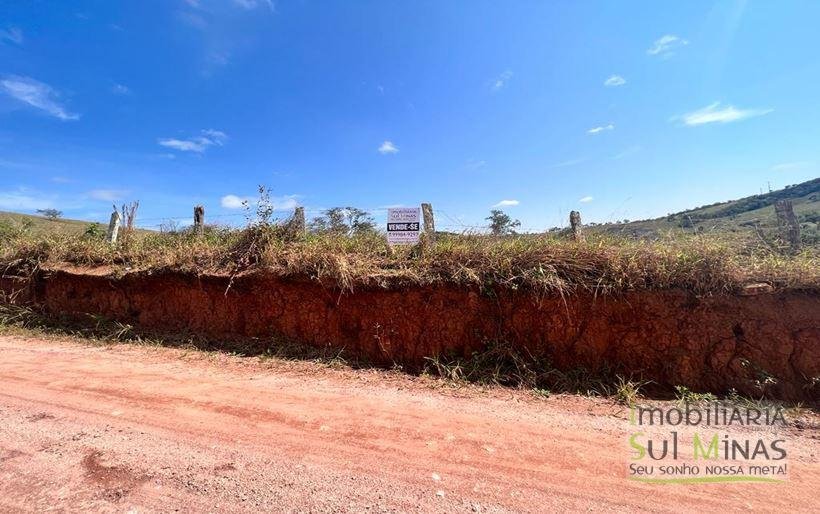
(403,226)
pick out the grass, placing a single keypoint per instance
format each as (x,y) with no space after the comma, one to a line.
(545,263)
(41,224)
(499,364)
(685,395)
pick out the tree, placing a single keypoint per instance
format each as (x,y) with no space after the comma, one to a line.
(51,214)
(359,221)
(343,221)
(501,223)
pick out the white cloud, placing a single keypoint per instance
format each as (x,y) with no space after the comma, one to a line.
(615,80)
(279,203)
(586,199)
(502,80)
(234,202)
(248,5)
(713,113)
(119,89)
(253,4)
(507,203)
(108,195)
(197,144)
(285,203)
(666,45)
(22,199)
(792,166)
(12,35)
(597,130)
(388,147)
(217,137)
(36,94)
(183,145)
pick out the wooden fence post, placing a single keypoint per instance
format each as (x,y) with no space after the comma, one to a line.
(576,226)
(199,219)
(299,225)
(113,227)
(429,224)
(788,224)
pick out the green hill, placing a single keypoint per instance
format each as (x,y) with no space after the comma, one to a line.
(745,214)
(40,224)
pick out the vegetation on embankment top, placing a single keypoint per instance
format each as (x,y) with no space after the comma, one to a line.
(705,263)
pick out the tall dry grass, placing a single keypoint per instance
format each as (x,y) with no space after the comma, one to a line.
(550,263)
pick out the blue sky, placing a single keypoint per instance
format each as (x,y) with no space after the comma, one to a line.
(618,109)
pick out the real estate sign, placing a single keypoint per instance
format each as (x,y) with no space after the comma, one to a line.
(403,226)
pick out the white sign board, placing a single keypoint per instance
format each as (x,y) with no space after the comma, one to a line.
(403,226)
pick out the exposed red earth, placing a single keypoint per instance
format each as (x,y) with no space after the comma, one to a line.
(126,428)
(763,341)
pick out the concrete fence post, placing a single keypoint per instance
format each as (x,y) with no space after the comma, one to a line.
(576,226)
(299,225)
(199,219)
(113,227)
(429,224)
(788,224)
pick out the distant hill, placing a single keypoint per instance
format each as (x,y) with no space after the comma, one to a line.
(734,215)
(40,224)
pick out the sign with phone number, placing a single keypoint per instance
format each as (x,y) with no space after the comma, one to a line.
(403,225)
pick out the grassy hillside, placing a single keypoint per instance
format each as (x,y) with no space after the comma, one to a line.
(11,221)
(752,213)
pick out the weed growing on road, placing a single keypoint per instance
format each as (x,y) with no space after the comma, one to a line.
(628,392)
(685,395)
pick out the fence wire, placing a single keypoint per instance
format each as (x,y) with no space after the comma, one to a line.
(445,221)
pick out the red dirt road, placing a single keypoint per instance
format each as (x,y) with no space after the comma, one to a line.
(129,428)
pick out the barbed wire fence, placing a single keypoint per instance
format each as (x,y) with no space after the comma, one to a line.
(446,222)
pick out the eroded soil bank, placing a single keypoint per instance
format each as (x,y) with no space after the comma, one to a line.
(717,343)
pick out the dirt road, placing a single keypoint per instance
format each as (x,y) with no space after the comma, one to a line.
(129,428)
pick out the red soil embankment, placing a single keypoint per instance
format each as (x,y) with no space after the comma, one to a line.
(673,337)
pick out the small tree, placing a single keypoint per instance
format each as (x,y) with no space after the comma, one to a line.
(501,223)
(359,221)
(93,231)
(331,221)
(264,209)
(51,214)
(343,221)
